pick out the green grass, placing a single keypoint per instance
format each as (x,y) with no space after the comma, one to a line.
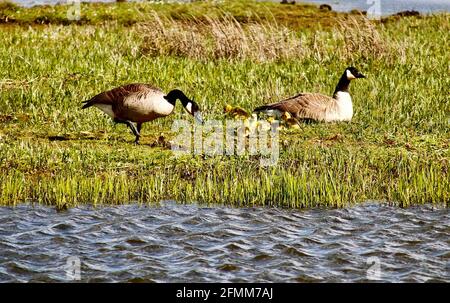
(301,15)
(395,149)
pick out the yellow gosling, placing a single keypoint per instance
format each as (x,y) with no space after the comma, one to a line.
(250,124)
(289,121)
(236,112)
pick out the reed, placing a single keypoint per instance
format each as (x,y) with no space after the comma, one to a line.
(224,37)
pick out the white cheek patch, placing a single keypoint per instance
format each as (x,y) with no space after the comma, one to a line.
(350,76)
(189,107)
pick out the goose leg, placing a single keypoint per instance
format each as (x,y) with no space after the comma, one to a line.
(131,126)
(134,130)
(139,126)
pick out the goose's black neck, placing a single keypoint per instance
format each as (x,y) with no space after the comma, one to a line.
(175,95)
(342,85)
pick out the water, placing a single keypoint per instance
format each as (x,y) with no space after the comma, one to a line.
(176,243)
(387,7)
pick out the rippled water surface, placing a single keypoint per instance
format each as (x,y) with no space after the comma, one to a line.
(176,243)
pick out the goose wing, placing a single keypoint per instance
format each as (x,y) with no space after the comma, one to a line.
(117,95)
(302,106)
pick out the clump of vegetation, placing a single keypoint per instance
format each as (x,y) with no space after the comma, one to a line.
(222,38)
(395,149)
(226,38)
(362,38)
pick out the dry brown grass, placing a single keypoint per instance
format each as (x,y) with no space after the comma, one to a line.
(226,38)
(362,39)
(223,38)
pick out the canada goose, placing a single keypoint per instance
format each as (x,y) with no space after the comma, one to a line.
(140,103)
(317,106)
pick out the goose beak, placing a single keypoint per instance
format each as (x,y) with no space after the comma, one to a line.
(198,117)
(194,110)
(359,75)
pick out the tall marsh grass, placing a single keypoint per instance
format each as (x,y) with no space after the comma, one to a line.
(222,38)
(225,37)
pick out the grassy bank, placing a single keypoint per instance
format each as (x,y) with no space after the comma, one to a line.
(127,14)
(396,148)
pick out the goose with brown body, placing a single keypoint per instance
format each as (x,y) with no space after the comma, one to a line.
(140,103)
(318,107)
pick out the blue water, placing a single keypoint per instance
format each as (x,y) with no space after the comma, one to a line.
(387,7)
(179,243)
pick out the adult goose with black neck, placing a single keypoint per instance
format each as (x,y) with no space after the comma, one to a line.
(318,107)
(140,103)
